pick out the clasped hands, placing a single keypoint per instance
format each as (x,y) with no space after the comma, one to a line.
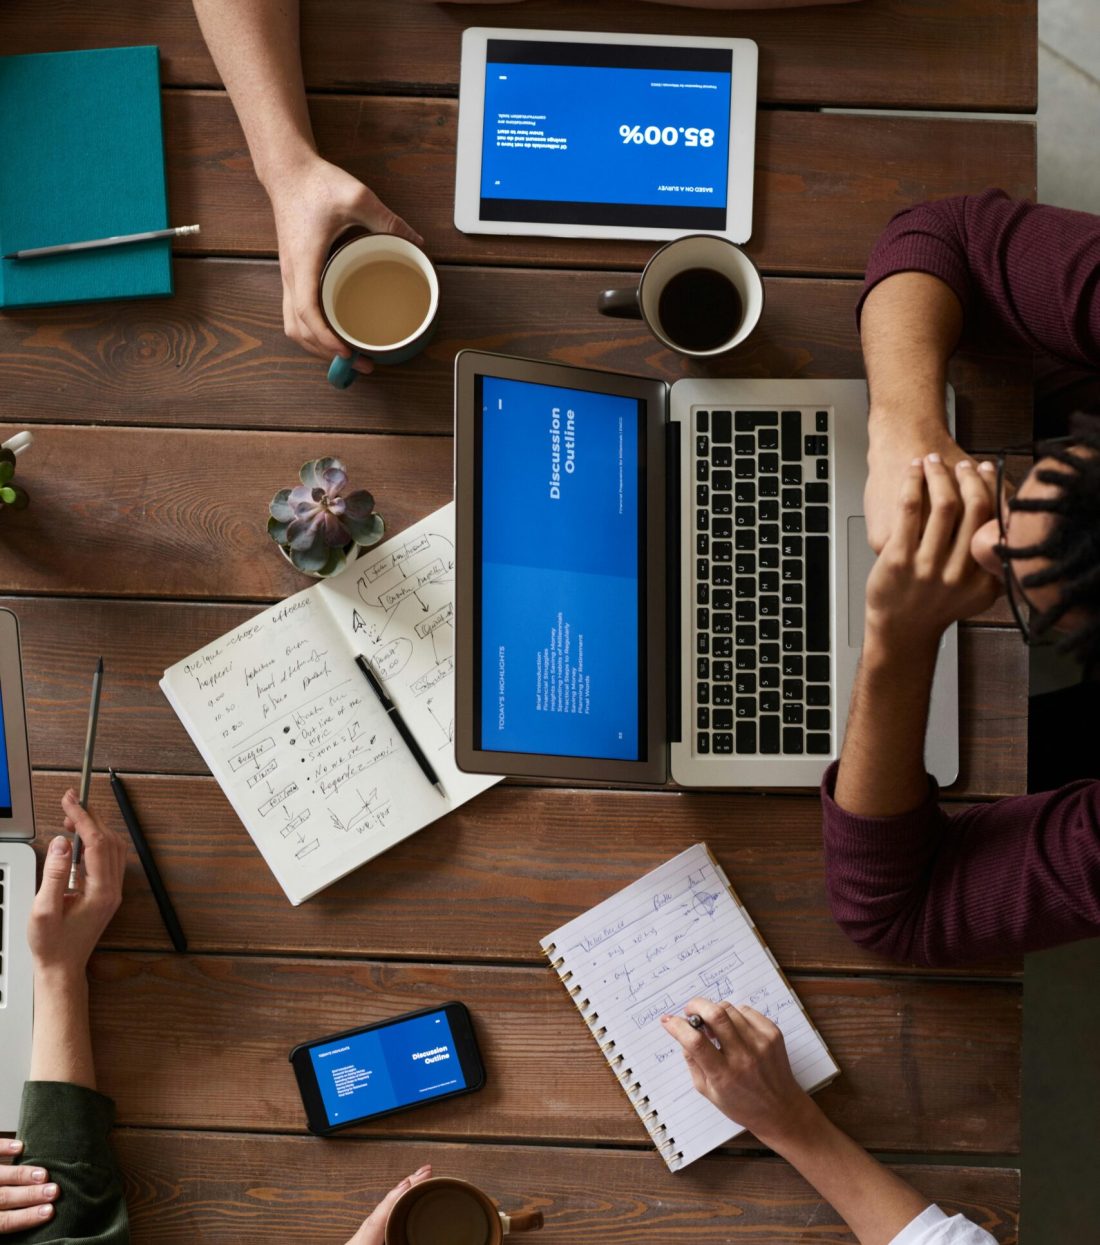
(926,577)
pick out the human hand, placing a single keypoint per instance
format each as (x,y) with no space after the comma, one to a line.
(893,446)
(25,1193)
(373,1230)
(747,1075)
(64,929)
(925,578)
(313,205)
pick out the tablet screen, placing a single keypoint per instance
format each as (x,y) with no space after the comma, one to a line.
(5,770)
(606,134)
(560,501)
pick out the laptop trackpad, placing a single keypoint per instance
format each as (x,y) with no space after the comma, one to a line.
(861,557)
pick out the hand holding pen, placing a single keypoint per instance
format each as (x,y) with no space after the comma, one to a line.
(64,928)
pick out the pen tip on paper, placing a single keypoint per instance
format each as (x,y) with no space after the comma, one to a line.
(439,787)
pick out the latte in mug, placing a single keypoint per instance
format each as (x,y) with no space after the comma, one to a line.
(381,303)
(380,296)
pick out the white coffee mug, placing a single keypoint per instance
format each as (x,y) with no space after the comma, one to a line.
(353,255)
(699,270)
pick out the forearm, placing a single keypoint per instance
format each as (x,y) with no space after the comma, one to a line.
(255,46)
(882,762)
(61,1049)
(874,1202)
(910,326)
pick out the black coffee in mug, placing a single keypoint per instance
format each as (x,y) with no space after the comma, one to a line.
(700,309)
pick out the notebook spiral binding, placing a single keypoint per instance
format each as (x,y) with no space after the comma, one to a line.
(625,1076)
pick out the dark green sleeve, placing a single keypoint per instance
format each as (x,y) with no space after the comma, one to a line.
(64,1128)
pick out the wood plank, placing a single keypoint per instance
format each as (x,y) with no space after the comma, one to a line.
(215,354)
(892,53)
(62,638)
(826,184)
(182,513)
(469,887)
(928,1065)
(188,1187)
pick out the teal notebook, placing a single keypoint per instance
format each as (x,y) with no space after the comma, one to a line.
(82,156)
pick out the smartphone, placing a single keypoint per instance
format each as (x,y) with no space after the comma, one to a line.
(362,1074)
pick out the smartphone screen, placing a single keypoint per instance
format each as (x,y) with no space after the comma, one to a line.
(381,1068)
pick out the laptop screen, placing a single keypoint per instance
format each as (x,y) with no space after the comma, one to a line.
(559,533)
(5,769)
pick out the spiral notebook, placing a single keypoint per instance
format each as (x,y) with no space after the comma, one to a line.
(677,933)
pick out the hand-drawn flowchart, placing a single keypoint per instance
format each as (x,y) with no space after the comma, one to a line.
(402,617)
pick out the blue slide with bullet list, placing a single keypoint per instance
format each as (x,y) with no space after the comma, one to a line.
(560,573)
(385,1068)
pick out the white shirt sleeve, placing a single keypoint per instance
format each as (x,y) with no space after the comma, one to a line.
(933,1227)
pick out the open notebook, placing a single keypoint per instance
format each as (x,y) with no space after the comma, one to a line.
(675,934)
(291,730)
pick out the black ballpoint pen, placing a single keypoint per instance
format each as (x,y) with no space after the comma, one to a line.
(156,883)
(399,722)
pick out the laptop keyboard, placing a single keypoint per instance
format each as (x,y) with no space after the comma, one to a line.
(761,583)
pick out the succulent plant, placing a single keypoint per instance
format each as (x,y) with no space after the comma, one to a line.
(11,495)
(318,522)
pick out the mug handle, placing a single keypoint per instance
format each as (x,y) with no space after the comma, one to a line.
(525,1221)
(341,371)
(623,304)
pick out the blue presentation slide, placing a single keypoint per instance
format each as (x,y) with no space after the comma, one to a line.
(559,571)
(600,134)
(5,775)
(386,1068)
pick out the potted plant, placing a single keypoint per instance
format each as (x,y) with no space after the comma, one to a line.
(322,522)
(11,495)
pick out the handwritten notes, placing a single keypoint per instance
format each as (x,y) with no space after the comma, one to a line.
(288,725)
(676,934)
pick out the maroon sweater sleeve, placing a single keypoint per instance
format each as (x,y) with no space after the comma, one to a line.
(990,881)
(1033,270)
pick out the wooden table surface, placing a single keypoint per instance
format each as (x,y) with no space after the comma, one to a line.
(162,429)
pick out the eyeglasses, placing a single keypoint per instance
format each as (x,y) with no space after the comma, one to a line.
(1018,600)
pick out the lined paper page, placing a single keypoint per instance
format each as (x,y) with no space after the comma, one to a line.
(675,934)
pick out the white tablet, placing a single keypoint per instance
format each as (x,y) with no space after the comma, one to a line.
(570,134)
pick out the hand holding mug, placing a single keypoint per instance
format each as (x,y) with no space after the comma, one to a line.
(373,1229)
(313,204)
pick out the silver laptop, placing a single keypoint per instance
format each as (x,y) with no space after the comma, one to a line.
(774,562)
(656,580)
(17,877)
